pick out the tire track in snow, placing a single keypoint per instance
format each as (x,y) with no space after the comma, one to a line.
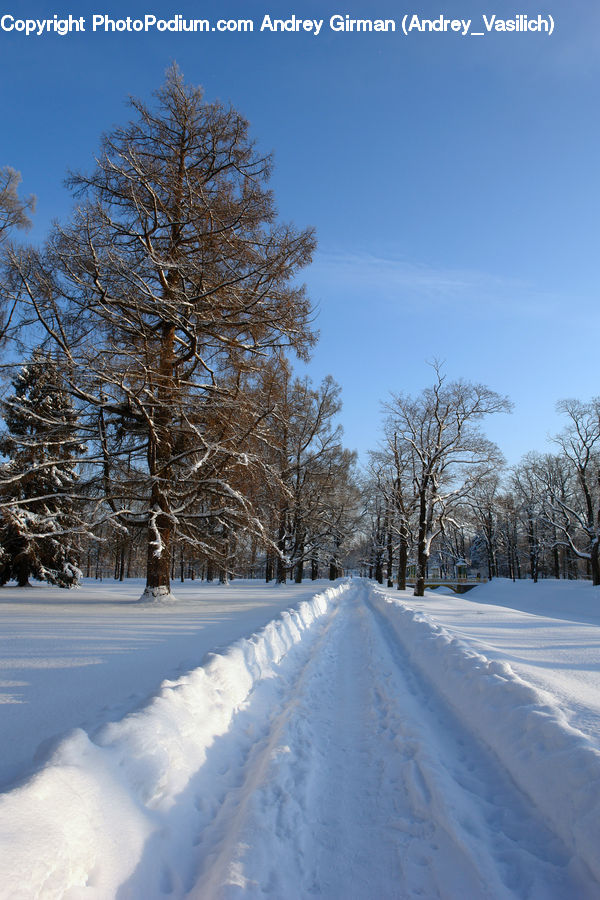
(235,710)
(222,842)
(365,786)
(473,799)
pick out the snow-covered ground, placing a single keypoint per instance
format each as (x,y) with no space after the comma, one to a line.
(84,657)
(548,632)
(363,744)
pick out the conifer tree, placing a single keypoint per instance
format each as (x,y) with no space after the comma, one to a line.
(36,484)
(172,284)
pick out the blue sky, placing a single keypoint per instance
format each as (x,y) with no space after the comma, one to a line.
(454,182)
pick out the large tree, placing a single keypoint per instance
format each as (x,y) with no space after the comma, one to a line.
(171,285)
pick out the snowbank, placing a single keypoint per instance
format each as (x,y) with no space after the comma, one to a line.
(85,819)
(553,763)
(83,658)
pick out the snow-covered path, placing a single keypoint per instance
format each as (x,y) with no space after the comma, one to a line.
(368,787)
(352,748)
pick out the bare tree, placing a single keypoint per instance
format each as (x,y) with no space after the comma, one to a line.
(376,535)
(576,515)
(391,472)
(448,453)
(483,505)
(509,533)
(525,484)
(555,486)
(312,474)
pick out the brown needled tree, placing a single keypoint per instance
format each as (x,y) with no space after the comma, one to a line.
(14,214)
(170,287)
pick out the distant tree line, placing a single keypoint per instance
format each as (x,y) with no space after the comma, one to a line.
(153,423)
(438,493)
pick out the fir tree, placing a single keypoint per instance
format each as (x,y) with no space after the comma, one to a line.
(36,483)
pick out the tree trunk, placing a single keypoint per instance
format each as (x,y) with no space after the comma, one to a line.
(556,562)
(158,572)
(281,546)
(21,568)
(158,568)
(595,561)
(402,560)
(122,562)
(421,575)
(281,576)
(491,550)
(129,555)
(533,550)
(422,555)
(158,577)
(422,560)
(300,557)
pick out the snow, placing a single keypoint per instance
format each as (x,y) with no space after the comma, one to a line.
(556,765)
(548,632)
(84,657)
(360,743)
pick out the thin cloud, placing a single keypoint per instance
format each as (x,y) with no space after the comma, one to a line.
(385,279)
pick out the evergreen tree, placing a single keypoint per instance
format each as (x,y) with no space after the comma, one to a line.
(36,484)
